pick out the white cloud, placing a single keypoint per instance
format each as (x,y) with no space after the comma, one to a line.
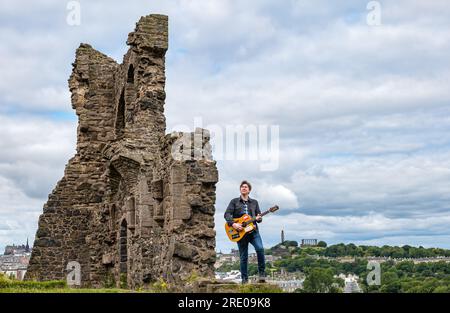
(277,194)
(18,213)
(35,151)
(395,185)
(13,198)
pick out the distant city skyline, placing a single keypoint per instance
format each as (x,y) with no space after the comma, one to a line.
(2,248)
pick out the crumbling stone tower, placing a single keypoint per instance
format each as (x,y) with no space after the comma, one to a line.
(129,207)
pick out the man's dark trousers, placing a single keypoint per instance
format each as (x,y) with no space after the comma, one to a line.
(255,239)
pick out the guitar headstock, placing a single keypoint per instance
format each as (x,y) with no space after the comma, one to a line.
(274,208)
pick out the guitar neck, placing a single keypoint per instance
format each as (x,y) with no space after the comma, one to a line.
(265,212)
(262,214)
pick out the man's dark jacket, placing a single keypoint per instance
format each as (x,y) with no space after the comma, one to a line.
(236,209)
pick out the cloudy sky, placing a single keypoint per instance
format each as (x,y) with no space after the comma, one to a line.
(363,111)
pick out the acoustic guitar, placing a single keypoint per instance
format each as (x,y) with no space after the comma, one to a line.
(248,225)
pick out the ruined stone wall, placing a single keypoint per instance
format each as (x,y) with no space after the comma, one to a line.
(129,208)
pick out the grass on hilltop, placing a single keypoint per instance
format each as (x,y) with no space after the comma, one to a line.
(10,285)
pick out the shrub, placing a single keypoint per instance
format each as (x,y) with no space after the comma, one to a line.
(51,284)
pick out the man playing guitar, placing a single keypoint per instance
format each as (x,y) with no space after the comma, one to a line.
(238,207)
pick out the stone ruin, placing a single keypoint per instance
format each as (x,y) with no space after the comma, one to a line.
(129,208)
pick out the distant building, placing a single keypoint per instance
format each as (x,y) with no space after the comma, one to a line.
(232,276)
(351,283)
(287,285)
(14,265)
(288,282)
(222,258)
(282,236)
(13,250)
(14,262)
(271,258)
(309,243)
(235,252)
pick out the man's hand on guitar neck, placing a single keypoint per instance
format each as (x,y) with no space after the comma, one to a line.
(237,226)
(259,217)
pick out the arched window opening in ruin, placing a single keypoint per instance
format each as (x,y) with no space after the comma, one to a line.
(130,76)
(120,117)
(123,249)
(114,179)
(132,212)
(130,88)
(113,216)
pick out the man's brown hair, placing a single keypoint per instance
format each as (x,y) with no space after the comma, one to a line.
(244,182)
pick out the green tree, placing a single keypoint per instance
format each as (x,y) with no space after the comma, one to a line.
(392,287)
(321,280)
(398,252)
(322,244)
(290,243)
(406,266)
(389,276)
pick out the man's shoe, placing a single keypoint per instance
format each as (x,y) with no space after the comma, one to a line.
(261,279)
(244,282)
